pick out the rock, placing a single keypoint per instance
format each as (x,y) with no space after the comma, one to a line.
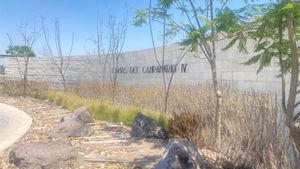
(181,154)
(70,126)
(59,154)
(69,116)
(73,125)
(83,114)
(146,127)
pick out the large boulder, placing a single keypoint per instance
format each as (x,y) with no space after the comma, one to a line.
(59,154)
(70,126)
(146,127)
(81,113)
(181,154)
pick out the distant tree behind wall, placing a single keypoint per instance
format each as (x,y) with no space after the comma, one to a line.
(21,51)
(24,52)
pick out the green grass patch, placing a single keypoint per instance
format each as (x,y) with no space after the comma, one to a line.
(100,110)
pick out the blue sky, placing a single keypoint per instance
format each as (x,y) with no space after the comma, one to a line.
(78,16)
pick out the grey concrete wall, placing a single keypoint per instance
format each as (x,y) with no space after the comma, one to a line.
(89,69)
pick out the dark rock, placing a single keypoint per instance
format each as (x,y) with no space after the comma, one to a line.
(70,126)
(181,154)
(83,114)
(146,127)
(59,154)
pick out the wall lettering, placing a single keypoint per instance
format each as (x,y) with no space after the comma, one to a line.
(183,68)
(172,68)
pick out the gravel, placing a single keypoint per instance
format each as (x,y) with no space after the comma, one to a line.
(110,146)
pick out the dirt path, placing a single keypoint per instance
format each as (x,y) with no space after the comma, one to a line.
(110,146)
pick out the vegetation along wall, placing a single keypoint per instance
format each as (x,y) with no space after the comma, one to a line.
(143,68)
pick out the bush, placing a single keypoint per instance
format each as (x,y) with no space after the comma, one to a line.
(189,126)
(253,130)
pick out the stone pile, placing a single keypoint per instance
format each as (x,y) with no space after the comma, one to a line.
(56,154)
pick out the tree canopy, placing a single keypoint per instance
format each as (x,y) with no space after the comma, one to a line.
(267,31)
(22,51)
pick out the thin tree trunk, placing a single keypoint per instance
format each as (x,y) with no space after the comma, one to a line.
(218,97)
(114,88)
(24,85)
(115,76)
(215,81)
(25,76)
(294,127)
(283,97)
(294,73)
(64,83)
(163,71)
(104,69)
(168,93)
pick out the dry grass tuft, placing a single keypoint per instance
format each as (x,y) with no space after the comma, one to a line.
(15,87)
(189,126)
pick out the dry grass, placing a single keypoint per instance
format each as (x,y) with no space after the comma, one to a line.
(190,126)
(15,87)
(253,129)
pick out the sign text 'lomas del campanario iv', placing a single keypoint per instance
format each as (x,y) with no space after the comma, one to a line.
(151,69)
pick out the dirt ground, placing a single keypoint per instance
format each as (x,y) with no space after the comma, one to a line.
(109,147)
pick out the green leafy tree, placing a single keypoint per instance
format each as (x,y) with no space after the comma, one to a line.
(200,23)
(275,33)
(23,52)
(22,55)
(20,51)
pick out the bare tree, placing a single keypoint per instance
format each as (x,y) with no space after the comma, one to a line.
(102,52)
(108,50)
(167,81)
(117,36)
(60,61)
(23,52)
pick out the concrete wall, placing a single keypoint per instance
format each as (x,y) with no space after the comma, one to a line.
(83,69)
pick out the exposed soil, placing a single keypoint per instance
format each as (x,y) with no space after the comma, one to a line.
(110,146)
